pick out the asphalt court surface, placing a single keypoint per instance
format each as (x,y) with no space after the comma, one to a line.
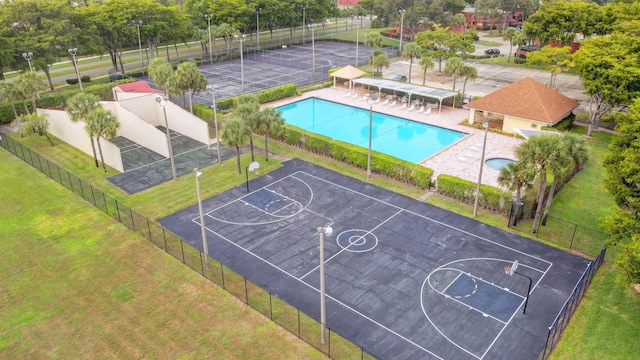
(403,279)
(144,168)
(265,69)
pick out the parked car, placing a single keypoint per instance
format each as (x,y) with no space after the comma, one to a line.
(400,78)
(492,52)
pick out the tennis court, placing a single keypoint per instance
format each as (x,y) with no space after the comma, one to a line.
(293,64)
(403,279)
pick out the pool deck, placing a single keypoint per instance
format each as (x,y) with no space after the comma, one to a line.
(461,159)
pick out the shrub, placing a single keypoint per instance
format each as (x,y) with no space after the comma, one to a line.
(382,164)
(276,93)
(72,81)
(565,123)
(491,198)
(85,78)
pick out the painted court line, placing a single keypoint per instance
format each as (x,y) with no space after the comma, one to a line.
(432,220)
(328,296)
(297,176)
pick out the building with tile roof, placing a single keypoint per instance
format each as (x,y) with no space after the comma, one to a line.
(525,104)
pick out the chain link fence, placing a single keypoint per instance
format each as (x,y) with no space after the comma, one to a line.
(280,312)
(269,305)
(570,306)
(558,231)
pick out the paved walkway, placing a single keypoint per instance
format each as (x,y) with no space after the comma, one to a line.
(461,159)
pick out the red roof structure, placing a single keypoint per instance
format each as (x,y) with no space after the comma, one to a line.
(527,99)
(137,87)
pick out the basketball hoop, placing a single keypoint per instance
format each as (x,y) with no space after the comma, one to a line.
(510,269)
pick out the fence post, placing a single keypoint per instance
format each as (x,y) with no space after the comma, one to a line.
(149,229)
(182,249)
(222,273)
(575,228)
(164,236)
(133,222)
(246,291)
(118,211)
(94,197)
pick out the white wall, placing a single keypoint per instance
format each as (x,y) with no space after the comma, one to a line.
(135,129)
(73,133)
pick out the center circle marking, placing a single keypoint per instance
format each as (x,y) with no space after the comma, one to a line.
(357,240)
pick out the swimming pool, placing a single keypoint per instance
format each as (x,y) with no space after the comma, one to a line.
(405,139)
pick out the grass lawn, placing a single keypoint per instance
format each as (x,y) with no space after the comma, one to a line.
(605,326)
(76,284)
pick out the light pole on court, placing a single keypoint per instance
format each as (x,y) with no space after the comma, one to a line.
(402,11)
(73,53)
(209,17)
(163,102)
(312,27)
(372,99)
(258,10)
(484,145)
(203,228)
(28,56)
(240,40)
(212,90)
(304,22)
(328,231)
(137,24)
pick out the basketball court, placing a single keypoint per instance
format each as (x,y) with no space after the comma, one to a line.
(403,279)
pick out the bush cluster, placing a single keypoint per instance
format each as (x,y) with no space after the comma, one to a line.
(276,93)
(382,164)
(264,96)
(491,198)
(73,81)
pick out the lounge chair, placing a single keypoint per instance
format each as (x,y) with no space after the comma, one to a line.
(428,111)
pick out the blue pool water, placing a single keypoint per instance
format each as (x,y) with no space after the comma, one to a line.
(405,139)
(498,163)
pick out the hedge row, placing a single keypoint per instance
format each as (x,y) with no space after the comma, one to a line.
(57,99)
(382,164)
(84,79)
(264,96)
(491,198)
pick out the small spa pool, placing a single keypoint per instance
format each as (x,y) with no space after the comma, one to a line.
(498,163)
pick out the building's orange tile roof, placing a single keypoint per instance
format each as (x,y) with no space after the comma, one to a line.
(138,87)
(527,99)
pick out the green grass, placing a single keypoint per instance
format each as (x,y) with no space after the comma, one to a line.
(607,323)
(488,43)
(76,284)
(594,331)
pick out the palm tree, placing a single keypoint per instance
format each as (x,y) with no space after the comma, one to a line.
(101,123)
(470,73)
(234,134)
(576,155)
(36,124)
(160,71)
(426,63)
(375,41)
(8,93)
(189,78)
(271,119)
(577,150)
(510,34)
(248,110)
(78,107)
(380,60)
(29,84)
(411,51)
(541,154)
(514,178)
(454,67)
